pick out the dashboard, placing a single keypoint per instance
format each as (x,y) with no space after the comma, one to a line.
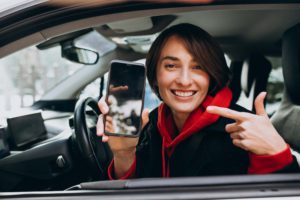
(35,151)
(23,131)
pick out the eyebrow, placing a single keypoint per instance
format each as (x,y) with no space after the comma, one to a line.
(173,59)
(169,58)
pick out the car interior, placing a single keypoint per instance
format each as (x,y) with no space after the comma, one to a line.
(250,77)
(53,146)
(285,118)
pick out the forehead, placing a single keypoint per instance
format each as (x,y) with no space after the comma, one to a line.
(173,42)
(175,47)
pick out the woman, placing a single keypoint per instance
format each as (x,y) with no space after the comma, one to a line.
(185,135)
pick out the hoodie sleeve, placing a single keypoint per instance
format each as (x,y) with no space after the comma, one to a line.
(264,164)
(130,173)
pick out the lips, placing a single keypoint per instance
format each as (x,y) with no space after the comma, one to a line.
(181,93)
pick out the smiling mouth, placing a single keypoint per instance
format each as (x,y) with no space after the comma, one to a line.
(183,93)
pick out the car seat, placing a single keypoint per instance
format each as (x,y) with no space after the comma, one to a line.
(235,83)
(249,79)
(286,118)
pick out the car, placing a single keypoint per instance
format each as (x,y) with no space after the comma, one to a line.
(55,58)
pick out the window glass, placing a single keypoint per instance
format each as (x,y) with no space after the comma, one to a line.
(91,90)
(275,86)
(27,74)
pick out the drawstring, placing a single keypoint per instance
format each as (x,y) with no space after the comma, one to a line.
(197,120)
(166,154)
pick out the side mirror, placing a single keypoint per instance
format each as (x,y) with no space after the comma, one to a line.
(79,55)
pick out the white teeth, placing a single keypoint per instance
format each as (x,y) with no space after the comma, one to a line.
(183,94)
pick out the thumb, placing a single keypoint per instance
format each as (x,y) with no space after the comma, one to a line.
(145,117)
(259,104)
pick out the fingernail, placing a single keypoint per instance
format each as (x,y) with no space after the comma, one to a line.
(105,109)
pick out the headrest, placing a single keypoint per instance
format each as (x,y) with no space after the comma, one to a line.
(256,69)
(235,83)
(291,62)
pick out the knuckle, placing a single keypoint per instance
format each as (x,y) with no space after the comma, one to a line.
(236,142)
(243,134)
(103,108)
(246,116)
(244,143)
(228,112)
(246,125)
(234,135)
(227,128)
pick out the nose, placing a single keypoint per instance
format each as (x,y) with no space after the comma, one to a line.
(184,77)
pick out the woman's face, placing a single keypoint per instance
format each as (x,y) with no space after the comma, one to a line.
(182,84)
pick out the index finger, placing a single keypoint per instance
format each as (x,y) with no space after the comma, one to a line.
(228,113)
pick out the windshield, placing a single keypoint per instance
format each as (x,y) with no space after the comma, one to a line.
(28,74)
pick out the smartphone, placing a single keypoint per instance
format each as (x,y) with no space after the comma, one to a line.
(125,98)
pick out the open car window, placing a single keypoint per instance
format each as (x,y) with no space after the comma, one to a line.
(55,58)
(275,86)
(28,74)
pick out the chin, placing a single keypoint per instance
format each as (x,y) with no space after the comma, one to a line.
(184,109)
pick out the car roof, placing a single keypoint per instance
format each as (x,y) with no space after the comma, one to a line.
(237,25)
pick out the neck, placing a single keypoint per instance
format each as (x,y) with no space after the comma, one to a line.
(179,119)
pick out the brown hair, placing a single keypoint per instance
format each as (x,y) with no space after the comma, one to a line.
(205,50)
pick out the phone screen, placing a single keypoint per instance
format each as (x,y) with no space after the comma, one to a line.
(125,97)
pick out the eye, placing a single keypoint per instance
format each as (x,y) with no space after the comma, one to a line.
(170,65)
(197,67)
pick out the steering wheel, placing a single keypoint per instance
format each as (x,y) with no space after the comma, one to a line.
(96,153)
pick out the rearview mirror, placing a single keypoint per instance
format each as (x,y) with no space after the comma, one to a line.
(79,55)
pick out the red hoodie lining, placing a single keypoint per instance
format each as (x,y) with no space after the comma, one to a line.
(197,120)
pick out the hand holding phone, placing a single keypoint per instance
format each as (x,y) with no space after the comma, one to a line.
(125,97)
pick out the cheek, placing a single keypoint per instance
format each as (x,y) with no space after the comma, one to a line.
(204,82)
(207,84)
(161,78)
(162,84)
